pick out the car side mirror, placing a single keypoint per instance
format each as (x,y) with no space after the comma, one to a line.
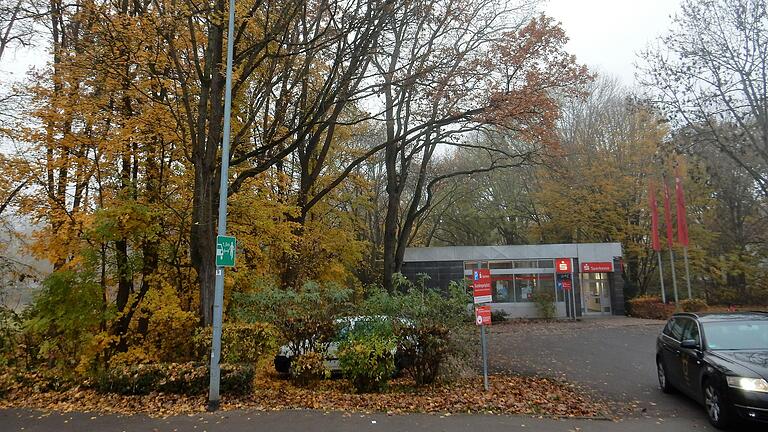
(689,344)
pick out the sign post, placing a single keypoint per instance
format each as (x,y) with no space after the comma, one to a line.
(228,256)
(483,318)
(482,293)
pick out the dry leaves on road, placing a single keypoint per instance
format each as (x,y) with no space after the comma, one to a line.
(508,395)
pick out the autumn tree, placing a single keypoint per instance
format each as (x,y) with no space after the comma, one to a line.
(449,69)
(595,191)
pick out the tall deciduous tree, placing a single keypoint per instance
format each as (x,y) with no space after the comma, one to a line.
(708,75)
(449,68)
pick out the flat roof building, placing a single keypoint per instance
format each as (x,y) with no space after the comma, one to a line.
(591,270)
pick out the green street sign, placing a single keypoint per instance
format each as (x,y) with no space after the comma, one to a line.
(225,251)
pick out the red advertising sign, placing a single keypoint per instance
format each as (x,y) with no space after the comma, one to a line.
(483,315)
(563,265)
(567,284)
(481,285)
(597,267)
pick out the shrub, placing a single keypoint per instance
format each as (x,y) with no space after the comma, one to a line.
(437,321)
(426,348)
(65,316)
(545,303)
(498,316)
(693,305)
(10,326)
(308,368)
(367,356)
(169,337)
(304,319)
(179,378)
(650,307)
(240,342)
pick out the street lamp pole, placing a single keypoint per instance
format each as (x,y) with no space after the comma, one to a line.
(218,298)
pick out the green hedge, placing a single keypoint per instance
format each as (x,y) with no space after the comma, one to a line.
(180,378)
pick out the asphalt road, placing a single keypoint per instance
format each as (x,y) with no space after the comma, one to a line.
(612,357)
(310,421)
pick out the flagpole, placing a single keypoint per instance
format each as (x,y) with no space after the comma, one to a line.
(670,237)
(674,281)
(661,278)
(687,273)
(655,244)
(682,225)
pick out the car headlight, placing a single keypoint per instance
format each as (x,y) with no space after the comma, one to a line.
(748,384)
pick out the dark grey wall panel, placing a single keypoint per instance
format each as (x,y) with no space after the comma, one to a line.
(441,273)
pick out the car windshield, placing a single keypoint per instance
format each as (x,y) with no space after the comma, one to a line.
(736,335)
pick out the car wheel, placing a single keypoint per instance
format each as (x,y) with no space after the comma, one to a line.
(661,372)
(717,410)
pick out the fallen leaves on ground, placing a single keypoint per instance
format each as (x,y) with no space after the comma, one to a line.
(508,394)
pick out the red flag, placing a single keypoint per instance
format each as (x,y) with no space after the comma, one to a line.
(668,216)
(655,244)
(682,220)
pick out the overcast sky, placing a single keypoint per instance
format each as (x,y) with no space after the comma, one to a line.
(606,35)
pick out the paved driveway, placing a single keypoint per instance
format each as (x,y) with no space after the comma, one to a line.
(613,357)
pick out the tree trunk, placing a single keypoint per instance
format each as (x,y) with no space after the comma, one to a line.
(204,157)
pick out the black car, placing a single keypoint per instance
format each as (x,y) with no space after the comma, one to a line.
(718,359)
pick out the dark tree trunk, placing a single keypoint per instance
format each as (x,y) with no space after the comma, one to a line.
(208,131)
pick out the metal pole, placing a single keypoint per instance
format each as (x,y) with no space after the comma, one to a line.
(573,297)
(661,279)
(218,298)
(674,281)
(485,356)
(687,273)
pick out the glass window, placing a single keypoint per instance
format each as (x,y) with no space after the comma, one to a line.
(559,291)
(691,331)
(501,264)
(674,328)
(736,335)
(525,264)
(471,265)
(524,285)
(503,291)
(546,264)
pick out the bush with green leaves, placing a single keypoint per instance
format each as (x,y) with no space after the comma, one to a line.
(437,329)
(545,303)
(65,316)
(179,378)
(367,354)
(304,319)
(241,343)
(10,336)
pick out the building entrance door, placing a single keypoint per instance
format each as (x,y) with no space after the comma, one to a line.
(595,294)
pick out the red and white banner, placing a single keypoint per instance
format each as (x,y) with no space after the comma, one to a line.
(668,216)
(682,220)
(481,286)
(597,267)
(655,243)
(483,315)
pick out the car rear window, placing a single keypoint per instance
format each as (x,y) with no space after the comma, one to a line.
(736,335)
